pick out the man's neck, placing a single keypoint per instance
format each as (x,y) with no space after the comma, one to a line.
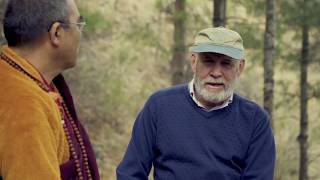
(40,60)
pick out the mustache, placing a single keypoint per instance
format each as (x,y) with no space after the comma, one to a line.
(213,81)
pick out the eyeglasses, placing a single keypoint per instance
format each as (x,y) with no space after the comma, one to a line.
(80,25)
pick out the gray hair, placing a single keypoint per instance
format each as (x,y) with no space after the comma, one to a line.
(25,21)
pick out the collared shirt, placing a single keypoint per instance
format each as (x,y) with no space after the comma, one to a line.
(191,91)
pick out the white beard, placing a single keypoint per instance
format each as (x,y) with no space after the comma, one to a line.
(214,97)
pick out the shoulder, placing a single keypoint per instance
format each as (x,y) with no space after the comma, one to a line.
(13,81)
(254,119)
(251,112)
(169,93)
(17,88)
(23,101)
(165,97)
(249,106)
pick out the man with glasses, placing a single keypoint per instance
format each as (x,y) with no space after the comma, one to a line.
(41,137)
(202,130)
(79,24)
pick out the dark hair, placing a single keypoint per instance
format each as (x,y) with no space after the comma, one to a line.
(25,21)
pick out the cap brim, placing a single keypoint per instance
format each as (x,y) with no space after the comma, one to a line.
(228,51)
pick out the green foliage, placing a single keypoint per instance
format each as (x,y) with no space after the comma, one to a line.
(299,12)
(96,22)
(143,34)
(199,17)
(163,5)
(254,7)
(251,33)
(313,8)
(293,12)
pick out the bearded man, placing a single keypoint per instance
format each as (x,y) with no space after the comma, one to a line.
(203,130)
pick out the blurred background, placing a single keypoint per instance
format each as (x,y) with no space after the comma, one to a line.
(132,48)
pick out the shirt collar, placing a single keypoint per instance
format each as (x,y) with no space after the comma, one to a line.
(191,92)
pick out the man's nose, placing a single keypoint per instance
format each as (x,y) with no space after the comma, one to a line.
(216,71)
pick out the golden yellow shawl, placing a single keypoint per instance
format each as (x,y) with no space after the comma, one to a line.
(32,139)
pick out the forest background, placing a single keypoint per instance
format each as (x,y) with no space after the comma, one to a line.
(131,49)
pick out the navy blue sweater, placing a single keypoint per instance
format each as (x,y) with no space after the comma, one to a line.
(184,142)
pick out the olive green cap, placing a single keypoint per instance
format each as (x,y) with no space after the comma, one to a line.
(219,40)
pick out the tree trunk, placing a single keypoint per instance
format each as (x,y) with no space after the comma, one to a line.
(303,136)
(219,13)
(269,49)
(179,47)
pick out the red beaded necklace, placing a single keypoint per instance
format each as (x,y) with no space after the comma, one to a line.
(66,117)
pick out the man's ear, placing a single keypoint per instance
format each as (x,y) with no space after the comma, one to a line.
(193,62)
(241,65)
(55,33)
